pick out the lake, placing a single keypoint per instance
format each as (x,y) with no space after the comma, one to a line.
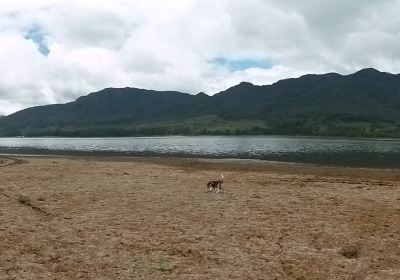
(383,153)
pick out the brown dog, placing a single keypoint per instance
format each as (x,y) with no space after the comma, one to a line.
(216,185)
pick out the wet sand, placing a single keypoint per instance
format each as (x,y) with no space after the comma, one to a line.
(127,218)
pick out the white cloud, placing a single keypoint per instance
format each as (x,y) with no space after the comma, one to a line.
(173,45)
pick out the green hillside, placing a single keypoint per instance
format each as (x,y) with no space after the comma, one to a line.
(366,104)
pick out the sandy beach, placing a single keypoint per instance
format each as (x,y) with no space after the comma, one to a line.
(137,218)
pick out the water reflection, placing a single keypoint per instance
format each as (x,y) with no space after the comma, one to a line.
(348,152)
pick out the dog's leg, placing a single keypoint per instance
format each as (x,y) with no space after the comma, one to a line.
(208,187)
(219,185)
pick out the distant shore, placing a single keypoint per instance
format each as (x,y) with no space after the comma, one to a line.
(317,160)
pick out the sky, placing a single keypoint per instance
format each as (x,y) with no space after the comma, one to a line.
(53,51)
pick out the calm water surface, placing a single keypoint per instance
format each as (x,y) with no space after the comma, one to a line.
(329,151)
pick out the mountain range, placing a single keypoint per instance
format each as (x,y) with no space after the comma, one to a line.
(363,104)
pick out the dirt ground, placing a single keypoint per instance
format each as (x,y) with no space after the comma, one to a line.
(110,218)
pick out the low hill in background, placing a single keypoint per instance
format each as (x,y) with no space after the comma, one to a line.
(363,104)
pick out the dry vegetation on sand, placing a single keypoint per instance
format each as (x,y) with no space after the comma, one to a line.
(153,219)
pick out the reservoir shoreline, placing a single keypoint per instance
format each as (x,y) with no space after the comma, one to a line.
(121,218)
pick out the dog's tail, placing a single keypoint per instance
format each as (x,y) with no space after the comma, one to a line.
(222,181)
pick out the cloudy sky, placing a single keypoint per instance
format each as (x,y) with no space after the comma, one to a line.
(52,51)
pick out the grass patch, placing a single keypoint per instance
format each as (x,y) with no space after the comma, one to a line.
(350,252)
(163,265)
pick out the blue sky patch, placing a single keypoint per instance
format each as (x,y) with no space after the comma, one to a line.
(242,64)
(37,36)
